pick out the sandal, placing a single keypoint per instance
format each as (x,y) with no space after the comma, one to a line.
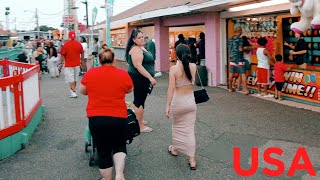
(170,151)
(146,129)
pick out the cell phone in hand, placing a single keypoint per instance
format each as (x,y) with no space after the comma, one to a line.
(150,88)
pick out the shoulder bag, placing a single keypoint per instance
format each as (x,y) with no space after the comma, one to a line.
(201,95)
(132,126)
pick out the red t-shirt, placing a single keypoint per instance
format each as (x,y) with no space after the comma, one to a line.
(279,69)
(106,87)
(71,51)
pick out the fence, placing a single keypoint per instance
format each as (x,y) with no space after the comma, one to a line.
(19,95)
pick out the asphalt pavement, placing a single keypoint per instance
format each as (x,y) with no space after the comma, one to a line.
(228,120)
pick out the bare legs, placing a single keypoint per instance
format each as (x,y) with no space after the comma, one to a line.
(73,86)
(119,161)
(139,113)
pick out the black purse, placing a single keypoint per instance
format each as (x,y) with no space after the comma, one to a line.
(132,126)
(201,95)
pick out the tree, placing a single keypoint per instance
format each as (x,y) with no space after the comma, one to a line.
(45,28)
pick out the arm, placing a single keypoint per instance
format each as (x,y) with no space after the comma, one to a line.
(51,53)
(170,91)
(82,56)
(267,53)
(299,52)
(83,89)
(290,46)
(137,58)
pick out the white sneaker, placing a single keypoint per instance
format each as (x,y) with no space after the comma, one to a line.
(73,94)
(269,96)
(259,95)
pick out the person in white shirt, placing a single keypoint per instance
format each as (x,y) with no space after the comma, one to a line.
(263,69)
(85,49)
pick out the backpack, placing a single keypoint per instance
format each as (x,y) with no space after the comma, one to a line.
(132,126)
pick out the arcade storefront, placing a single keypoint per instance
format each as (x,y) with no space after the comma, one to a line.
(301,85)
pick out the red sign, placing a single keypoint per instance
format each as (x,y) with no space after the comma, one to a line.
(296,164)
(299,84)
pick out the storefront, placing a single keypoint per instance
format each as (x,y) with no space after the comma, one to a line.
(301,85)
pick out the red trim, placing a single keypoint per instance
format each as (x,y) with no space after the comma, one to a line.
(11,130)
(33,112)
(16,81)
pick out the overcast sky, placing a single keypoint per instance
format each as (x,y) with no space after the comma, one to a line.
(50,12)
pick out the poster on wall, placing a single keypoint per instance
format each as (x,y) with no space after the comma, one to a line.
(299,84)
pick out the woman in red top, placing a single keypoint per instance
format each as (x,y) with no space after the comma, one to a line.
(106,87)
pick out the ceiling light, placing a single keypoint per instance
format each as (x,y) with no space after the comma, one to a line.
(258,5)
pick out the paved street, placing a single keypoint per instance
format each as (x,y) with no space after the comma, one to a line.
(56,150)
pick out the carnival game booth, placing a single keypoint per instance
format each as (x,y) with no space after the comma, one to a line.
(301,85)
(20,105)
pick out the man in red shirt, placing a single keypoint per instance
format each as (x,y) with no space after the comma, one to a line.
(70,53)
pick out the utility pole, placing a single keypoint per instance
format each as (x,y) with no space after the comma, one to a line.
(37,21)
(87,18)
(15,24)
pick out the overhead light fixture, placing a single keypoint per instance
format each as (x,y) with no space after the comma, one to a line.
(258,5)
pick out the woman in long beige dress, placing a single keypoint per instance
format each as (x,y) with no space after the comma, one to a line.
(181,106)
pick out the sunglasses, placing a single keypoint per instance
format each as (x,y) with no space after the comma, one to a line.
(104,45)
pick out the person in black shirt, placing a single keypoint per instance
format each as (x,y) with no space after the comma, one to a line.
(180,41)
(22,57)
(299,52)
(53,60)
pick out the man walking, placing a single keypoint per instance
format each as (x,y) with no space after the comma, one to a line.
(150,46)
(70,53)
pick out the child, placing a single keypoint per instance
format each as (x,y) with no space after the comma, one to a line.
(263,67)
(279,69)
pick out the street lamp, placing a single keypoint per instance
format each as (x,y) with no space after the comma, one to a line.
(7,17)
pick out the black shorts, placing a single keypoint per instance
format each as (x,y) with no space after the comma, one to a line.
(279,85)
(140,89)
(109,136)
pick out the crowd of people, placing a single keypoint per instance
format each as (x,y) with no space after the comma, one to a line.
(106,87)
(240,50)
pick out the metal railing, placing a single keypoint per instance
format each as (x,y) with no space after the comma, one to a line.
(19,95)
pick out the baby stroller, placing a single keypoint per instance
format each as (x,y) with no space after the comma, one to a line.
(90,147)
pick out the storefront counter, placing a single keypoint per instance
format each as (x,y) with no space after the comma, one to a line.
(301,85)
(120,52)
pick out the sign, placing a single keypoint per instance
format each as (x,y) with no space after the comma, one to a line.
(109,13)
(94,15)
(299,84)
(68,19)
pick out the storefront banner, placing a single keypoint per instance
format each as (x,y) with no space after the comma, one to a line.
(299,84)
(109,13)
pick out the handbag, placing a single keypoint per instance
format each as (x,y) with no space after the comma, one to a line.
(200,95)
(132,126)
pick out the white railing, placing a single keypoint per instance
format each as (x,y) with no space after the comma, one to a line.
(31,89)
(19,96)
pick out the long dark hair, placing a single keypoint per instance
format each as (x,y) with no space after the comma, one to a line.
(184,54)
(130,43)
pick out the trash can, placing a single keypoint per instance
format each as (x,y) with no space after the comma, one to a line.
(203,73)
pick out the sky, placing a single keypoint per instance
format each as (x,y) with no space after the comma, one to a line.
(51,12)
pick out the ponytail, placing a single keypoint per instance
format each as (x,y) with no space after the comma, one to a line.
(185,61)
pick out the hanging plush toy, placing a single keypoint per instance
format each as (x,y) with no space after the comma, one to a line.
(310,14)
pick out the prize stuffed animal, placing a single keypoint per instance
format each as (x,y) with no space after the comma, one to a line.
(310,14)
